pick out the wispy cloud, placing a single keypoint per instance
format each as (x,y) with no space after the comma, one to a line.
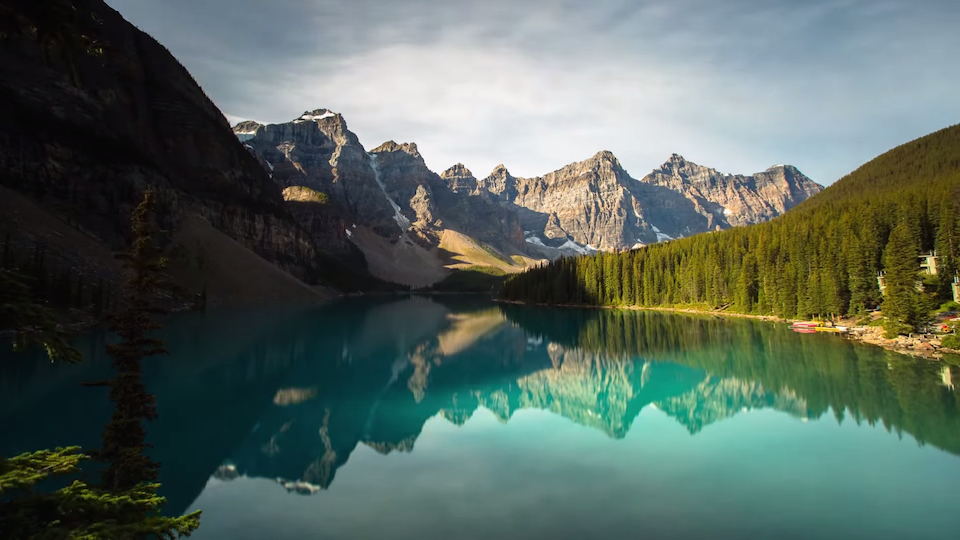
(736,84)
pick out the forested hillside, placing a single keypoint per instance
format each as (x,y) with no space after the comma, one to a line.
(820,259)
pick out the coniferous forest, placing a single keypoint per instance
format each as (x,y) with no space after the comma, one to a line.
(821,259)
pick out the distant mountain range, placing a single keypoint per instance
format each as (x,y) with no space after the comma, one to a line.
(412,224)
(84,132)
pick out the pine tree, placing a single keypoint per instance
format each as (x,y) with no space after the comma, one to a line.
(747,287)
(862,277)
(901,297)
(626,275)
(947,249)
(124,438)
(79,510)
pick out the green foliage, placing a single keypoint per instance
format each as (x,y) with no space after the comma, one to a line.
(821,259)
(947,244)
(901,301)
(951,341)
(949,305)
(32,323)
(78,510)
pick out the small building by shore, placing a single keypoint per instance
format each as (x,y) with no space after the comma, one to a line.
(928,263)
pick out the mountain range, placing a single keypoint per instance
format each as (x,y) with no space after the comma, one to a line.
(302,207)
(411,223)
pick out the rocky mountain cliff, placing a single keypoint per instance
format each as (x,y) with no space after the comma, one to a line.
(447,201)
(95,111)
(726,200)
(588,204)
(596,205)
(318,151)
(584,207)
(385,203)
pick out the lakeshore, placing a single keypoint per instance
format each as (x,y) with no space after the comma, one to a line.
(926,346)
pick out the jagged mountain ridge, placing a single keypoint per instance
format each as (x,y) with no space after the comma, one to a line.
(586,206)
(411,224)
(727,200)
(596,204)
(318,151)
(588,203)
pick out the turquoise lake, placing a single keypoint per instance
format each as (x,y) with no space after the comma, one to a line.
(452,417)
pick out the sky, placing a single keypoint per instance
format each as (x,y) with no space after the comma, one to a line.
(738,85)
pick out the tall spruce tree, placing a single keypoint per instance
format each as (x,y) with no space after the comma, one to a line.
(901,300)
(947,249)
(124,438)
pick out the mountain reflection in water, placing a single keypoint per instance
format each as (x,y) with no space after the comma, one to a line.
(289,394)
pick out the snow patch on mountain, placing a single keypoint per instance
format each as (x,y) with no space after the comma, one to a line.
(315,117)
(570,245)
(535,240)
(398,216)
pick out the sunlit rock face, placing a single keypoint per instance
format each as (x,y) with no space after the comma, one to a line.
(584,207)
(588,203)
(729,200)
(475,213)
(450,200)
(596,204)
(317,150)
(389,190)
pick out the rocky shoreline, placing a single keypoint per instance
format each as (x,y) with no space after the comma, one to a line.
(926,345)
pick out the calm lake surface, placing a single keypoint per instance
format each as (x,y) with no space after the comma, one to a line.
(456,418)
